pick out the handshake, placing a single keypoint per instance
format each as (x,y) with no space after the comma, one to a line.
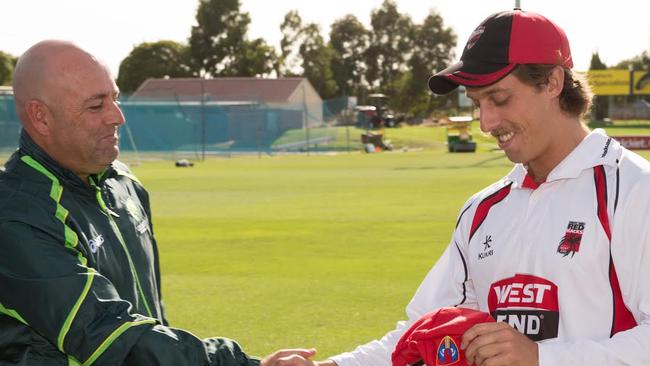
(294,357)
(434,339)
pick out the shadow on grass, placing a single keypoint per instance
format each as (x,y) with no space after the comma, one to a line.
(485,161)
(478,164)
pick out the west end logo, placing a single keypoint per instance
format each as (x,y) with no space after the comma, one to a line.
(570,242)
(447,352)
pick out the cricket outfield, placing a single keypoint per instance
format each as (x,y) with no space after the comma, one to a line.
(320,251)
(302,251)
(317,251)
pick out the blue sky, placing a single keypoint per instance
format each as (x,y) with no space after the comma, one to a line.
(109,29)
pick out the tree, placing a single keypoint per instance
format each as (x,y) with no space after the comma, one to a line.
(305,53)
(390,45)
(349,39)
(7,63)
(218,39)
(639,62)
(317,61)
(432,50)
(153,60)
(256,59)
(290,60)
(596,63)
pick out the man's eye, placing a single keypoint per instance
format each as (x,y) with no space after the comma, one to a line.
(96,107)
(500,101)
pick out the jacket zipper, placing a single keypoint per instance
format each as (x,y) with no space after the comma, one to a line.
(120,238)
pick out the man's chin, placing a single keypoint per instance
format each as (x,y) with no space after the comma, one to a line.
(107,159)
(112,153)
(514,157)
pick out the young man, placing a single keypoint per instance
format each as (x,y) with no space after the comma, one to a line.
(79,270)
(558,250)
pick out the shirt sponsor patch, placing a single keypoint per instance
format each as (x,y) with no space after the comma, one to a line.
(528,303)
(570,243)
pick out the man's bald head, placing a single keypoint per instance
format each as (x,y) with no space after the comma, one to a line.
(45,69)
(67,103)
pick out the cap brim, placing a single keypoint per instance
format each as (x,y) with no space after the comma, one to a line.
(460,74)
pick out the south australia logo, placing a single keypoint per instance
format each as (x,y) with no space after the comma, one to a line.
(570,243)
(447,352)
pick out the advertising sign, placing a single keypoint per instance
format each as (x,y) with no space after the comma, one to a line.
(641,82)
(609,82)
(634,142)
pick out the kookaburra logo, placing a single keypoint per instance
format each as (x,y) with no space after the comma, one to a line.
(486,243)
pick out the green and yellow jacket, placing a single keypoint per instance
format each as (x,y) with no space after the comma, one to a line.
(79,272)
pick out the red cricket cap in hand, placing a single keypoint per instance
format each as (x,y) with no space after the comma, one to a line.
(435,338)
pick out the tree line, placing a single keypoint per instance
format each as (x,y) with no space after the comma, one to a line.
(394,56)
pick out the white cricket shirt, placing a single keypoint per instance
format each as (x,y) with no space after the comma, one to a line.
(566,262)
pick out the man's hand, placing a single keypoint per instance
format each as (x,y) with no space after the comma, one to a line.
(498,344)
(290,357)
(326,363)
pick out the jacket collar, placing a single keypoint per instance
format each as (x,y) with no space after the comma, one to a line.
(594,150)
(29,147)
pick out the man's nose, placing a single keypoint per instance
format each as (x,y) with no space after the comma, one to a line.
(489,119)
(116,116)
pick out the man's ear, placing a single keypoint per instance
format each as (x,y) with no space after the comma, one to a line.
(555,81)
(40,116)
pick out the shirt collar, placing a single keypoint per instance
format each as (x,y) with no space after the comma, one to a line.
(595,149)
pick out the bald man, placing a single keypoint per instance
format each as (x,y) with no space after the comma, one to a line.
(79,269)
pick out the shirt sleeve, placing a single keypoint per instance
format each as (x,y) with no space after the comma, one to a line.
(446,284)
(630,250)
(46,286)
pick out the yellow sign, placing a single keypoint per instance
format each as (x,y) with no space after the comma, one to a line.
(641,82)
(610,82)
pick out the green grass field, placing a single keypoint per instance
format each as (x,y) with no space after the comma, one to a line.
(320,250)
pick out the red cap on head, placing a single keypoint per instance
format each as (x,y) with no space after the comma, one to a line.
(501,42)
(435,338)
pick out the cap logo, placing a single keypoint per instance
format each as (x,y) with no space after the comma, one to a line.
(447,352)
(474,37)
